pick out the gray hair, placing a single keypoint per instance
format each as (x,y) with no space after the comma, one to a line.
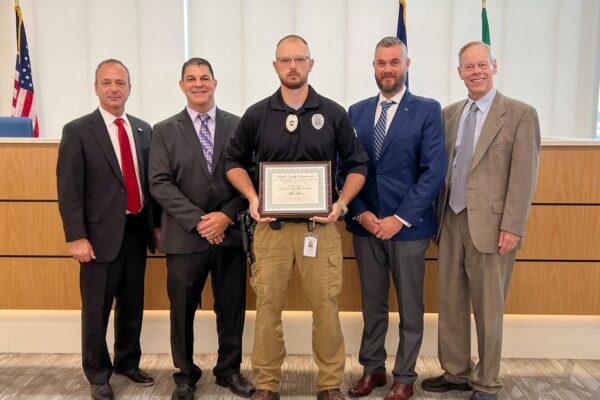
(111,61)
(391,41)
(476,43)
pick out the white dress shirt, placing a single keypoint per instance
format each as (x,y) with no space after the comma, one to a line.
(391,110)
(113,133)
(483,108)
(211,123)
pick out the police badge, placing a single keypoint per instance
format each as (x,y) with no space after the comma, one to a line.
(318,121)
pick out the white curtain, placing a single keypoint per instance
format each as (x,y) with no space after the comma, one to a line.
(548,51)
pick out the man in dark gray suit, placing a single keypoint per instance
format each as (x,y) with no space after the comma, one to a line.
(200,232)
(108,216)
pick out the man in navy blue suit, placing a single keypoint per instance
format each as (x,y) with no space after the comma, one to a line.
(392,219)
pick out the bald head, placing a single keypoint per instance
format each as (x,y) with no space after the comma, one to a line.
(291,39)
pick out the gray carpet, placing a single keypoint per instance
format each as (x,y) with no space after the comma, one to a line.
(59,376)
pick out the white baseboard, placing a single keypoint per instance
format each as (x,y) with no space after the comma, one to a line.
(525,336)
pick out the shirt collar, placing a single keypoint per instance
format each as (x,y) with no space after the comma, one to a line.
(110,118)
(484,103)
(312,100)
(194,114)
(397,98)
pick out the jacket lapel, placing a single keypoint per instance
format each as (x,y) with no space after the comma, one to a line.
(451,129)
(402,112)
(221,129)
(186,127)
(491,127)
(366,126)
(102,137)
(137,131)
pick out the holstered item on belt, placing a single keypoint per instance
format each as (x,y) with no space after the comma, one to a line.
(275,225)
(247,225)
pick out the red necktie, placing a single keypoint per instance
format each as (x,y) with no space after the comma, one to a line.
(132,189)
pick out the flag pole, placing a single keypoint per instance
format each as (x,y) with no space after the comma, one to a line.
(20,23)
(485,27)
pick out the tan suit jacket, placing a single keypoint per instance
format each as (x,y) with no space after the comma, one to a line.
(503,170)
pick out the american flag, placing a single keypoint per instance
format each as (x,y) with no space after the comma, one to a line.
(23,104)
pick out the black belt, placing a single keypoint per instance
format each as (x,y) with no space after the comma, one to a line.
(134,217)
(295,220)
(276,225)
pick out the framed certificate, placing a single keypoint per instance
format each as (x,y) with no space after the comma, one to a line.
(295,189)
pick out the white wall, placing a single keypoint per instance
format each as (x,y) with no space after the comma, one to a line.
(548,51)
(525,336)
(7,55)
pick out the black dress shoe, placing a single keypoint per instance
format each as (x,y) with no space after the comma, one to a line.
(479,395)
(238,384)
(440,384)
(136,377)
(101,391)
(184,391)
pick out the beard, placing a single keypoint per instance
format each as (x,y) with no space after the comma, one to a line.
(293,84)
(394,87)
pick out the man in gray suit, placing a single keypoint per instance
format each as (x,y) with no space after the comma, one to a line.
(493,144)
(199,229)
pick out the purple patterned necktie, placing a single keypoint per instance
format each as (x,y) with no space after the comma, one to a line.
(206,140)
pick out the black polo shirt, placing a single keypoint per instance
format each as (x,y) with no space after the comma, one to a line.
(324,132)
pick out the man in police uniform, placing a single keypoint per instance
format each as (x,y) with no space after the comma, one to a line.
(296,124)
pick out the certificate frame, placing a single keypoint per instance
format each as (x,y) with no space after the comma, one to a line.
(294,189)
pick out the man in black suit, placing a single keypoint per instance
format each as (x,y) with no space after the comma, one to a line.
(200,232)
(108,216)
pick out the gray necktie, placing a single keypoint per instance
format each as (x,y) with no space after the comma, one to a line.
(464,155)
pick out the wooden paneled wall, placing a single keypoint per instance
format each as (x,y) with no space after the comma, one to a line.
(557,271)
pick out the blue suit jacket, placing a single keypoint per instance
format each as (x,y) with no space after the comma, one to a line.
(411,167)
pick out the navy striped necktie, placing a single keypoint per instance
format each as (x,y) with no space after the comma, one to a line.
(379,134)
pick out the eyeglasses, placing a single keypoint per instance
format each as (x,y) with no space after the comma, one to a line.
(299,60)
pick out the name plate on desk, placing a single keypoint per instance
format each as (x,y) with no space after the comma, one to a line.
(295,189)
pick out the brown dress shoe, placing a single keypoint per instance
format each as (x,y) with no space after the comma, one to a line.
(330,394)
(365,385)
(263,394)
(399,391)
